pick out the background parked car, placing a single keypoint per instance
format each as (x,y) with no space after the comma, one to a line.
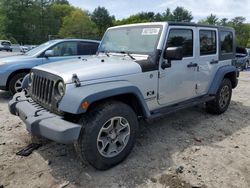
(24,49)
(248,55)
(242,58)
(13,69)
(5,45)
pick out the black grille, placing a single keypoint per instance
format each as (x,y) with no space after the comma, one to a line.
(42,90)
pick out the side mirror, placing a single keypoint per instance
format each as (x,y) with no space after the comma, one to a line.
(49,53)
(173,53)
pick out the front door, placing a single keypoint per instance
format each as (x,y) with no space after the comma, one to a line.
(177,83)
(63,51)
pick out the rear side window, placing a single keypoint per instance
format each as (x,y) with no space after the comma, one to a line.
(87,48)
(6,44)
(181,38)
(207,42)
(226,42)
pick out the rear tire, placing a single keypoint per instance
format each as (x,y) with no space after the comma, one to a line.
(108,134)
(15,84)
(222,100)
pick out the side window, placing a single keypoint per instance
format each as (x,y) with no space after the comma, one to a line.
(181,38)
(87,48)
(226,42)
(65,49)
(6,44)
(207,42)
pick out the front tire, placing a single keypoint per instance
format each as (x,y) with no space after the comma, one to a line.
(15,84)
(108,134)
(222,100)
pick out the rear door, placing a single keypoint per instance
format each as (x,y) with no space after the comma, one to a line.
(87,48)
(177,83)
(208,58)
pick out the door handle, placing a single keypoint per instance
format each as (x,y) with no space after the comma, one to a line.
(192,65)
(214,62)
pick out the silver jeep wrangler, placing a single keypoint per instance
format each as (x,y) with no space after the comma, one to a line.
(141,71)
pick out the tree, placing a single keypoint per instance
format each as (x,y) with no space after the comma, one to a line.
(102,19)
(238,20)
(61,2)
(78,25)
(136,18)
(242,30)
(180,14)
(56,13)
(211,20)
(167,15)
(223,22)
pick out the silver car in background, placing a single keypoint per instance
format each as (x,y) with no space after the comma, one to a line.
(5,45)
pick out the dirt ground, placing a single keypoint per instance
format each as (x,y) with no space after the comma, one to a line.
(187,149)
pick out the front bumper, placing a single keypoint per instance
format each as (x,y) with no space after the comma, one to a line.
(3,88)
(41,122)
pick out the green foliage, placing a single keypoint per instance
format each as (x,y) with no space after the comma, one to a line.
(179,14)
(102,19)
(31,21)
(211,20)
(242,30)
(12,40)
(77,25)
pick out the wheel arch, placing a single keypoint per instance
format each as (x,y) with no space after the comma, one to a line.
(227,71)
(128,98)
(94,94)
(232,76)
(14,73)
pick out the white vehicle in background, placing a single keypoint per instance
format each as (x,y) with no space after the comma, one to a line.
(5,45)
(24,49)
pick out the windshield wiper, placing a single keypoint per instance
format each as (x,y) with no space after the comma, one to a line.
(127,53)
(105,52)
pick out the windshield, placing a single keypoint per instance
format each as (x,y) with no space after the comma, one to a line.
(137,39)
(39,48)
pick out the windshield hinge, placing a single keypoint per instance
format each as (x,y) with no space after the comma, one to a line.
(76,80)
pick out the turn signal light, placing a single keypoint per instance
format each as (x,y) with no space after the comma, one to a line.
(85,104)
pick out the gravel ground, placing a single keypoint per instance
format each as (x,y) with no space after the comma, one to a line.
(189,148)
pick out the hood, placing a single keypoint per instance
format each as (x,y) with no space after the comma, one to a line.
(14,59)
(92,68)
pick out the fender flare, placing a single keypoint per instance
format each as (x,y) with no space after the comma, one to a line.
(219,76)
(73,98)
(25,82)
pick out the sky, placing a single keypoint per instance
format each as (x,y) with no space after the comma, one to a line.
(199,8)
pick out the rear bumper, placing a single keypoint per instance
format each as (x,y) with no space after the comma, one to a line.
(40,122)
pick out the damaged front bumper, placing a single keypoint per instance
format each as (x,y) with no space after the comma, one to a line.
(41,122)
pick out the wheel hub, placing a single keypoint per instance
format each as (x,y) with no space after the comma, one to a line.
(224,96)
(113,137)
(18,85)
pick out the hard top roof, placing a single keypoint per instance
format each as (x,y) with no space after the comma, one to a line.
(175,24)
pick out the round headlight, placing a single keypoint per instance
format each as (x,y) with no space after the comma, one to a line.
(60,88)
